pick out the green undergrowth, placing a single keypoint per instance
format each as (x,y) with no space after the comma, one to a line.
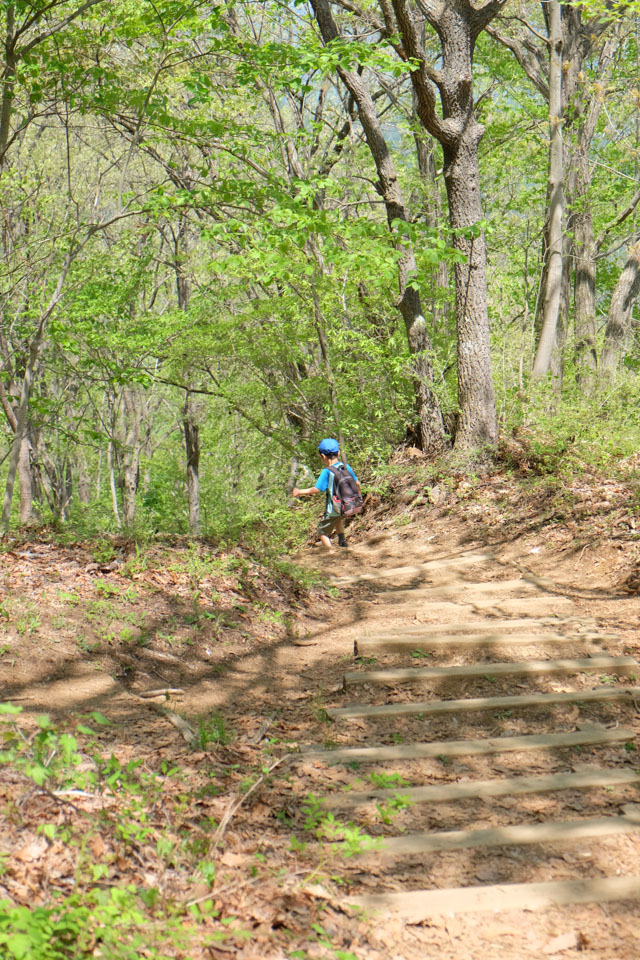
(105,857)
(116,860)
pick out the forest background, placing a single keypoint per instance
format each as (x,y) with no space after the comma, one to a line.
(231,229)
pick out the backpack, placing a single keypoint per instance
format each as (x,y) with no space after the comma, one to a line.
(346,499)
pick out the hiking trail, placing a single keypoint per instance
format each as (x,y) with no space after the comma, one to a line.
(486,739)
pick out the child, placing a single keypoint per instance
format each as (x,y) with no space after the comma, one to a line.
(331,522)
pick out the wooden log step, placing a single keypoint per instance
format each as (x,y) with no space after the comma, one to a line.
(418,905)
(371,645)
(435,707)
(540,605)
(465,748)
(491,625)
(477,670)
(441,563)
(503,787)
(518,834)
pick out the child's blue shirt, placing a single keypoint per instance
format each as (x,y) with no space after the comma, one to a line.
(325,483)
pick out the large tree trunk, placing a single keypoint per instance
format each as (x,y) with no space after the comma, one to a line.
(458,24)
(552,288)
(477,421)
(618,323)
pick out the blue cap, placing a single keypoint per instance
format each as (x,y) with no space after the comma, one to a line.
(328,445)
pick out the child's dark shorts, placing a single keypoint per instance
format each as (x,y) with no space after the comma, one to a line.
(328,525)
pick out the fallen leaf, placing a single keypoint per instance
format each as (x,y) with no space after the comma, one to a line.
(32,851)
(317,890)
(566,941)
(98,847)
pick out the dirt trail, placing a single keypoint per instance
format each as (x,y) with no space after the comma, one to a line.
(486,737)
(478,782)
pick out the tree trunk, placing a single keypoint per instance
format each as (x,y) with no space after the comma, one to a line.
(618,322)
(131,454)
(580,219)
(477,420)
(584,281)
(192,449)
(458,24)
(8,82)
(112,482)
(552,289)
(425,153)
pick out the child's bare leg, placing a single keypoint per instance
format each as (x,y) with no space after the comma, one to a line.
(325,541)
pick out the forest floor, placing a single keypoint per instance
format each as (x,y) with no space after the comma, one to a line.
(201,801)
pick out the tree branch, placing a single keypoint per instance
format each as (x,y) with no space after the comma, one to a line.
(56,28)
(622,216)
(525,58)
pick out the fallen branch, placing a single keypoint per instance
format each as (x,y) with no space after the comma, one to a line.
(188,733)
(161,691)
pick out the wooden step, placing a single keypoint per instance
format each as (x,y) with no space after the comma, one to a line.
(419,905)
(518,834)
(491,625)
(436,707)
(539,605)
(464,748)
(504,787)
(366,646)
(477,670)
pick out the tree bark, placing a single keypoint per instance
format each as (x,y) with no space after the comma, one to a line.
(192,450)
(552,289)
(458,24)
(617,330)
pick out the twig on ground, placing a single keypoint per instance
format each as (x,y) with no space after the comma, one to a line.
(236,802)
(161,691)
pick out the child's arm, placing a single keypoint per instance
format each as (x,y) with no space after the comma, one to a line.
(307,492)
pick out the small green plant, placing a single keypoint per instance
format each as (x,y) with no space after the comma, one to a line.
(384,781)
(87,646)
(28,621)
(70,597)
(135,564)
(106,589)
(421,654)
(502,715)
(393,806)
(212,729)
(103,551)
